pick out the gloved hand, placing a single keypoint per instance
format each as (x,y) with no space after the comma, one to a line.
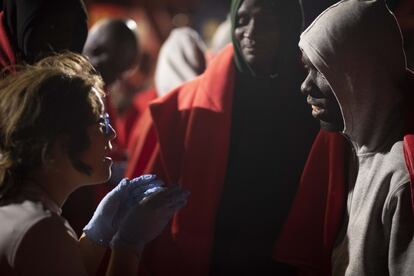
(115,205)
(148,219)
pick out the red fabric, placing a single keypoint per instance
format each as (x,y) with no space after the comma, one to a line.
(409,160)
(196,159)
(409,137)
(143,147)
(125,123)
(315,218)
(140,103)
(7,55)
(307,237)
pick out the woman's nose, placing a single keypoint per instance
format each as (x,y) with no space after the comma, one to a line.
(111,133)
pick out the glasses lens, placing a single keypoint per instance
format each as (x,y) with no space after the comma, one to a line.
(107,123)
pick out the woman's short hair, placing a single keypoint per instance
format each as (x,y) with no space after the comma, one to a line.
(60,94)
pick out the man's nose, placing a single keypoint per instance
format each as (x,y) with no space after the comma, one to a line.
(250,29)
(306,87)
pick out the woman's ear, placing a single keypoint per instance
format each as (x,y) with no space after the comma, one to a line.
(62,141)
(58,150)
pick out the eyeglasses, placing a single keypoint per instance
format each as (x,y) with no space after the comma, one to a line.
(105,123)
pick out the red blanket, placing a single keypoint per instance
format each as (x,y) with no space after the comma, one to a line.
(195,159)
(7,56)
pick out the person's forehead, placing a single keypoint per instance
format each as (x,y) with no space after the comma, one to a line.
(256,6)
(305,59)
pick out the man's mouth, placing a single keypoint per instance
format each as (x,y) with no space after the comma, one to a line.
(316,108)
(249,44)
(318,112)
(249,48)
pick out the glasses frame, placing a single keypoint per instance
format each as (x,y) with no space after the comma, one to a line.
(106,124)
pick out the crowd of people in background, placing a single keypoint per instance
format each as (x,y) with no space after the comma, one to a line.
(217,167)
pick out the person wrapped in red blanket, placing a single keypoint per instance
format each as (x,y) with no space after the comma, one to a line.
(237,138)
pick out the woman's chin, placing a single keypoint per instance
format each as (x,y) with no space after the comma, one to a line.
(103,176)
(101,179)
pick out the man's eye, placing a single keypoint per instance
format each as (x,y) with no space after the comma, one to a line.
(242,20)
(321,75)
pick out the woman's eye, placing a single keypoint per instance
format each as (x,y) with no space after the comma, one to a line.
(101,124)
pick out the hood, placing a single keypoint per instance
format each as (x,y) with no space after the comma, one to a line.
(22,16)
(181,58)
(357,45)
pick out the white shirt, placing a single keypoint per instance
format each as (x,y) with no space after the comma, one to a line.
(36,240)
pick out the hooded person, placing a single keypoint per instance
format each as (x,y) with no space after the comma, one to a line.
(237,137)
(360,212)
(32,29)
(181,59)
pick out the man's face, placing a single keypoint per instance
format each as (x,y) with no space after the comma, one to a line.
(319,94)
(111,58)
(257,29)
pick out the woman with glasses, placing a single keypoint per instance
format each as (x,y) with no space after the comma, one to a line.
(54,138)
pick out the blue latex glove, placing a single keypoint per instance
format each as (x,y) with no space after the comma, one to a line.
(115,205)
(147,220)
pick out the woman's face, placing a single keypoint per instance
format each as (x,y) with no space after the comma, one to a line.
(97,155)
(257,30)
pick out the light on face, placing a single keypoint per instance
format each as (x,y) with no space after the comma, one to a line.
(131,24)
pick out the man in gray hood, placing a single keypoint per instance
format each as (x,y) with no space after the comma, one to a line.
(355,60)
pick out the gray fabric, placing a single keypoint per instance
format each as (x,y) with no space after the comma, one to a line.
(377,236)
(16,220)
(181,58)
(19,216)
(357,46)
(222,36)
